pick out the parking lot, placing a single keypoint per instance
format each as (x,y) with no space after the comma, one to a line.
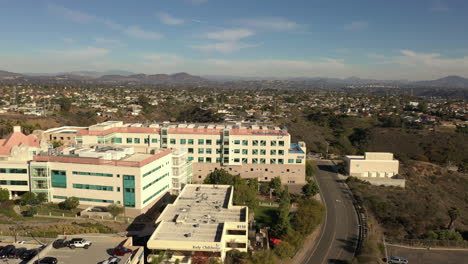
(100,250)
(23,245)
(425,256)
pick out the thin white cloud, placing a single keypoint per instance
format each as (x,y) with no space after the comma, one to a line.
(439,6)
(169,19)
(110,43)
(89,52)
(223,47)
(196,2)
(376,56)
(343,51)
(70,14)
(269,24)
(356,26)
(139,33)
(69,41)
(229,34)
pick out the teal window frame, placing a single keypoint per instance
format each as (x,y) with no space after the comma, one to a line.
(200,159)
(245,142)
(201,150)
(201,141)
(154,140)
(172,141)
(190,141)
(237,151)
(237,142)
(129,140)
(208,151)
(245,152)
(58,178)
(183,141)
(136,140)
(290,161)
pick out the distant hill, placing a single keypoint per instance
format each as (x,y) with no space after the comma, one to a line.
(177,78)
(448,82)
(9,75)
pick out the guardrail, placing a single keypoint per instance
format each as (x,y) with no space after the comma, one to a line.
(429,243)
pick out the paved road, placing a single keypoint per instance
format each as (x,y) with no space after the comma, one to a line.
(337,242)
(433,256)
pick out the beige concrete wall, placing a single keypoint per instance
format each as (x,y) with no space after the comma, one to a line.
(264,172)
(15,176)
(373,168)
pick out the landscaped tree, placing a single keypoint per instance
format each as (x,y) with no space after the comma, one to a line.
(284,250)
(69,204)
(41,198)
(310,189)
(219,177)
(4,195)
(283,225)
(28,198)
(275,184)
(453,213)
(31,211)
(310,170)
(263,257)
(115,210)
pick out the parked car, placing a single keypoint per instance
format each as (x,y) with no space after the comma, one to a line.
(47,260)
(79,243)
(111,260)
(397,260)
(16,253)
(61,243)
(29,254)
(6,251)
(120,251)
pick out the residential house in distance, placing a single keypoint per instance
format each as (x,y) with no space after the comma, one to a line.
(65,135)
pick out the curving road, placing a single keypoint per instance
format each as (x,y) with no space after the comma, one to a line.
(337,242)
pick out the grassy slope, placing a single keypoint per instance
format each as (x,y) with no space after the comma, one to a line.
(422,206)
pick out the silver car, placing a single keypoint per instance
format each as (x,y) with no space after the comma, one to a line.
(397,260)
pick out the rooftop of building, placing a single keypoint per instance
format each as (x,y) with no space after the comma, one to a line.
(17,138)
(65,130)
(199,214)
(102,155)
(372,156)
(183,128)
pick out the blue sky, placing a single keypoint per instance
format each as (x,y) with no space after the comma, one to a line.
(398,39)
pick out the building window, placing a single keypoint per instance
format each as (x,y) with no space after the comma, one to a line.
(226,151)
(273,143)
(255,161)
(255,142)
(208,151)
(245,142)
(272,161)
(237,151)
(146,140)
(262,161)
(183,141)
(236,160)
(218,151)
(201,141)
(201,150)
(262,142)
(208,142)
(137,141)
(92,174)
(281,143)
(190,158)
(281,152)
(93,187)
(117,140)
(190,141)
(245,151)
(190,150)
(298,161)
(254,151)
(172,141)
(280,161)
(273,152)
(244,160)
(218,160)
(218,142)
(263,152)
(200,159)
(208,160)
(129,140)
(236,142)
(290,161)
(59,178)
